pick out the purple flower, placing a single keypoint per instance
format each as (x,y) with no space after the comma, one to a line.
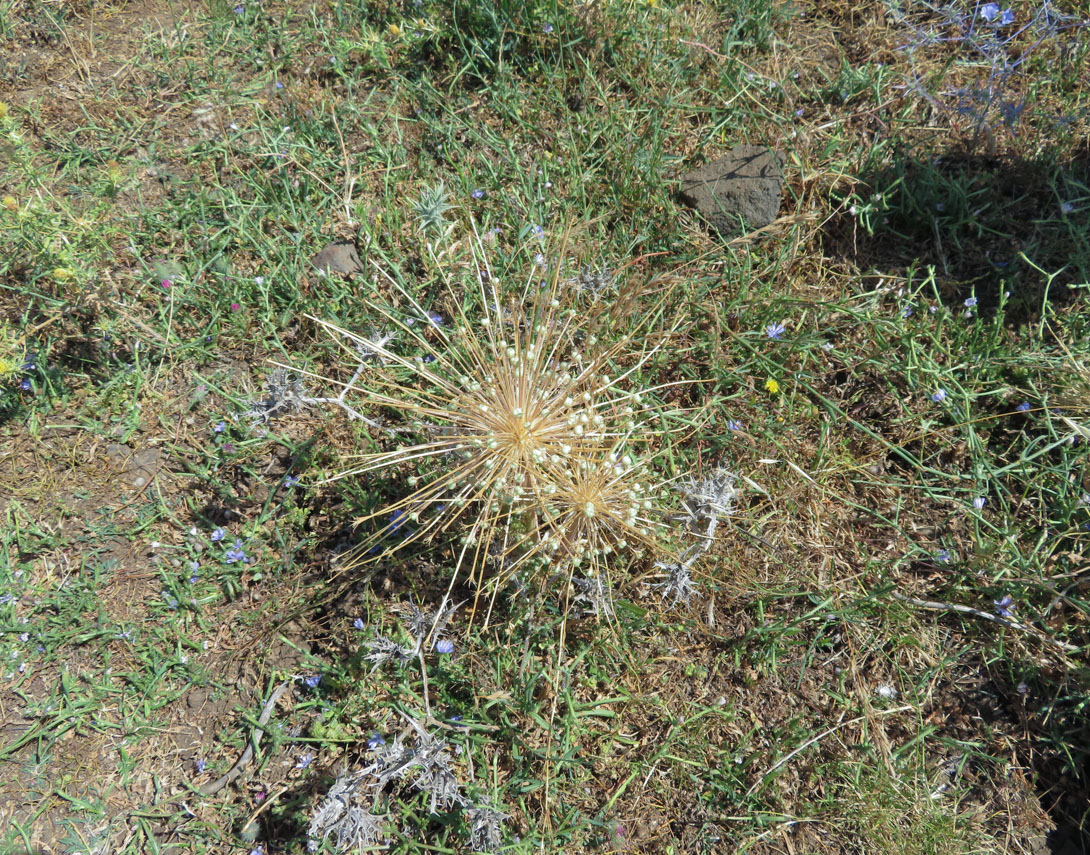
(199,764)
(239,10)
(24,384)
(970,302)
(291,481)
(989,12)
(906,312)
(733,425)
(547,29)
(1007,18)
(943,556)
(1005,606)
(477,194)
(979,502)
(775,331)
(537,231)
(305,761)
(1023,407)
(939,396)
(313,680)
(218,535)
(435,319)
(235,554)
(279,85)
(444,646)
(375,740)
(359,624)
(220,427)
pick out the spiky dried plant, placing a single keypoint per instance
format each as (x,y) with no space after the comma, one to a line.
(533,439)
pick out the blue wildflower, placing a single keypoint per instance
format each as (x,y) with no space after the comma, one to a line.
(291,481)
(359,624)
(1023,407)
(979,502)
(24,384)
(477,194)
(989,12)
(435,319)
(313,680)
(397,519)
(943,556)
(444,646)
(939,396)
(218,535)
(375,740)
(235,554)
(970,302)
(733,425)
(1005,606)
(547,29)
(305,761)
(1006,18)
(220,427)
(200,764)
(775,331)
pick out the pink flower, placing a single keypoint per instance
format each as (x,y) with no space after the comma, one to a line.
(235,307)
(166,283)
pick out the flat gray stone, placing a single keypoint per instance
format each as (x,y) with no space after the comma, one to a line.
(742,187)
(338,257)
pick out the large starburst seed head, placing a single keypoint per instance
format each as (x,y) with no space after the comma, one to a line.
(521,418)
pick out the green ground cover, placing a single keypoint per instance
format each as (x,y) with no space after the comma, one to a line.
(822,587)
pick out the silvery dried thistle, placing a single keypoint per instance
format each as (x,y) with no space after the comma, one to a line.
(383,650)
(592,281)
(678,586)
(707,500)
(285,392)
(592,595)
(421,624)
(429,765)
(485,826)
(346,814)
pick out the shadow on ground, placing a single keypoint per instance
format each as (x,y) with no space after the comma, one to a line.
(986,224)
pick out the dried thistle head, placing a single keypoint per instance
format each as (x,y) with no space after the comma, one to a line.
(528,422)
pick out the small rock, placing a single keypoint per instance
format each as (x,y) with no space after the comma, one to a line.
(742,187)
(338,257)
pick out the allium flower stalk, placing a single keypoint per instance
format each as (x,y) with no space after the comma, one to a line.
(531,440)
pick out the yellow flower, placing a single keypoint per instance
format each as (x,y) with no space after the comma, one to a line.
(63,274)
(10,203)
(394,30)
(772,386)
(8,366)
